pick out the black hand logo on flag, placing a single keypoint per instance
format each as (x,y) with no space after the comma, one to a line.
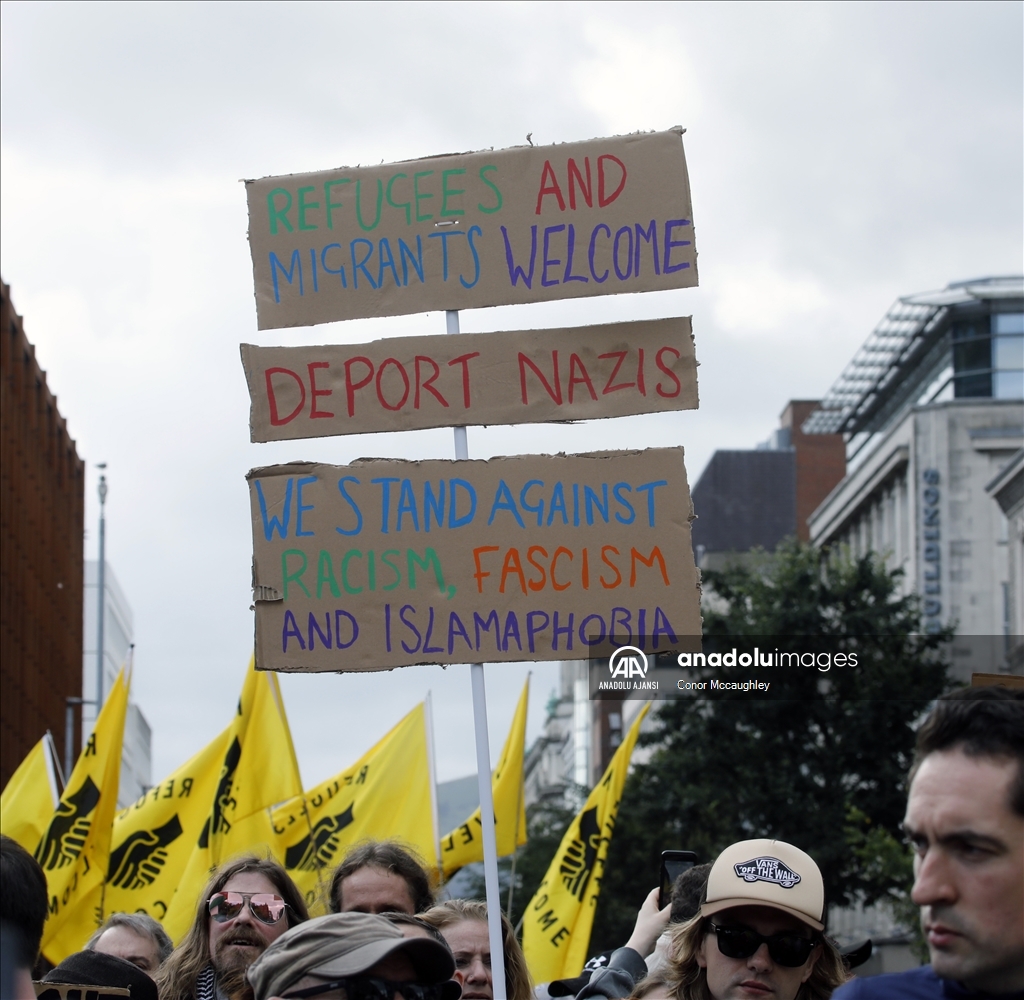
(137,862)
(217,822)
(580,856)
(69,827)
(320,846)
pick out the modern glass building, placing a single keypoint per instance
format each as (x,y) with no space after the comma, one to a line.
(932,408)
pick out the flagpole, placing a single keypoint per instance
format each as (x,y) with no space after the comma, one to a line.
(483,770)
(432,768)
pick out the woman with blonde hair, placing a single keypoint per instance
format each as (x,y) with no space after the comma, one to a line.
(463,922)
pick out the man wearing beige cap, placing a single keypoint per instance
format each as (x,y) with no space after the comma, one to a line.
(353,956)
(757,936)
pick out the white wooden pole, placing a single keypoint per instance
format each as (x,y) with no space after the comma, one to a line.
(483,771)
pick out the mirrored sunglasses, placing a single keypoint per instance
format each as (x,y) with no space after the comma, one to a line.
(366,988)
(264,906)
(788,948)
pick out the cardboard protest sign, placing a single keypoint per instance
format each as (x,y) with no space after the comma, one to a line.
(387,563)
(525,376)
(526,224)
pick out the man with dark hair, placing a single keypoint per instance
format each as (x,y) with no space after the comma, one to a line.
(965,821)
(685,904)
(686,893)
(247,904)
(135,937)
(380,876)
(23,899)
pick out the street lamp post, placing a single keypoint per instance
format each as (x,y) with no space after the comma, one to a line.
(101,589)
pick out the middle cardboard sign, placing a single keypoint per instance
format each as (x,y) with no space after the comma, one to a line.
(386,563)
(523,376)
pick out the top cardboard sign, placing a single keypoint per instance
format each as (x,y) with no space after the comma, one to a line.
(465,230)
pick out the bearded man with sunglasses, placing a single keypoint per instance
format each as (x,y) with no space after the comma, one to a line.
(354,956)
(246,906)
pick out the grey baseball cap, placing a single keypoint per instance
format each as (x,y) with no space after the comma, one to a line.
(340,945)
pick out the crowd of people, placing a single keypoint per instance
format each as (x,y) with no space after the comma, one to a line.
(750,925)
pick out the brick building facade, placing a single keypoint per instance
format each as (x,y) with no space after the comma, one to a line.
(42,508)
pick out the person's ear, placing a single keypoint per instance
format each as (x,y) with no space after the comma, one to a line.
(702,960)
(809,967)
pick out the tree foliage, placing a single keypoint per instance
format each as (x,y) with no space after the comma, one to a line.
(824,767)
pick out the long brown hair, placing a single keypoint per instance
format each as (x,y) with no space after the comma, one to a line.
(453,911)
(177,977)
(690,981)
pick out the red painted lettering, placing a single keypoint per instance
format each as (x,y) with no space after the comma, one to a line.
(621,355)
(602,199)
(405,381)
(350,386)
(555,393)
(587,189)
(552,188)
(583,378)
(668,371)
(275,418)
(464,360)
(314,413)
(429,384)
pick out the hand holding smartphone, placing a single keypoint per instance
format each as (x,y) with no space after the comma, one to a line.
(673,864)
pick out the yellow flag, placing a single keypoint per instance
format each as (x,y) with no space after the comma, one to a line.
(384,794)
(75,850)
(556,928)
(30,797)
(153,838)
(258,770)
(464,844)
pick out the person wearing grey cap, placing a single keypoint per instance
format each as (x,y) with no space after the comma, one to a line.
(353,956)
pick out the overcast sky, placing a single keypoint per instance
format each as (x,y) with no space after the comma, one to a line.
(840,155)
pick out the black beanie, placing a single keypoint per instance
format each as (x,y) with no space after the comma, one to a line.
(93,968)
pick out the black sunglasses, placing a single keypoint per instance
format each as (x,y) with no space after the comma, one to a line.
(365,988)
(788,948)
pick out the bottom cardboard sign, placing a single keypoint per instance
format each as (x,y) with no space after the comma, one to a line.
(387,563)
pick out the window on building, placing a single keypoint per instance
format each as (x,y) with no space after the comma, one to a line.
(988,357)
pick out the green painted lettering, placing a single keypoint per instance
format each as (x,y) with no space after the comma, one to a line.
(351,554)
(420,197)
(325,574)
(279,214)
(359,205)
(331,205)
(407,205)
(305,206)
(297,576)
(447,192)
(391,566)
(493,187)
(429,560)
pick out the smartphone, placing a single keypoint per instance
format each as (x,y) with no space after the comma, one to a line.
(673,864)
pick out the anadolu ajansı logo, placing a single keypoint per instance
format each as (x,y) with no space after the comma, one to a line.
(628,662)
